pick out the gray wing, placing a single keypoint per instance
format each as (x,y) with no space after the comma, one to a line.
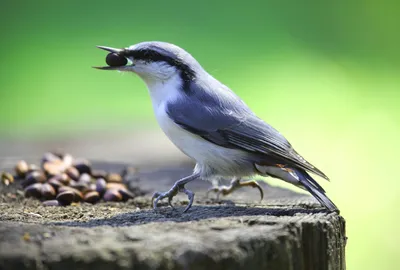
(228,122)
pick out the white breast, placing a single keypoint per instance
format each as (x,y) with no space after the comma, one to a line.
(211,158)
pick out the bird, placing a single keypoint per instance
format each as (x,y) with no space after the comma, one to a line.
(211,124)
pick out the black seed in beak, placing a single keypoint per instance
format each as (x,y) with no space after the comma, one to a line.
(115,60)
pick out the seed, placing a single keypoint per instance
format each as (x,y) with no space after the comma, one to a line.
(62,178)
(114,178)
(112,195)
(68,160)
(79,185)
(116,186)
(72,172)
(33,177)
(99,174)
(85,178)
(126,194)
(101,185)
(92,197)
(21,168)
(53,167)
(34,191)
(32,168)
(72,182)
(83,166)
(115,60)
(55,183)
(51,203)
(7,178)
(48,191)
(77,194)
(58,153)
(91,187)
(66,197)
(49,157)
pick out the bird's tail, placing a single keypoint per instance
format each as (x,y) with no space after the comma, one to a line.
(315,189)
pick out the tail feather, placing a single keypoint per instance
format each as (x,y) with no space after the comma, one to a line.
(316,190)
(315,183)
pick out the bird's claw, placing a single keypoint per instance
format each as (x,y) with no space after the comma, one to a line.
(254,184)
(217,190)
(190,195)
(172,193)
(260,189)
(225,190)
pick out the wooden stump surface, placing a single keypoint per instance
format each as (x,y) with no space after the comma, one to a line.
(287,230)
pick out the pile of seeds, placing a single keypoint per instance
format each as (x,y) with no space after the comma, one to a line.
(62,180)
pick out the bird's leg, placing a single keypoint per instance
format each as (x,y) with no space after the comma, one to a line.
(235,184)
(179,186)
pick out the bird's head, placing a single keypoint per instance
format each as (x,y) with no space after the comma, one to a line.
(152,61)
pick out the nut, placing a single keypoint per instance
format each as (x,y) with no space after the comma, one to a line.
(33,177)
(68,160)
(85,178)
(53,167)
(73,173)
(62,178)
(101,186)
(114,178)
(70,180)
(117,186)
(77,194)
(21,168)
(79,185)
(66,197)
(55,183)
(115,60)
(48,191)
(7,178)
(49,157)
(92,197)
(126,194)
(91,187)
(32,168)
(34,191)
(99,174)
(112,195)
(83,166)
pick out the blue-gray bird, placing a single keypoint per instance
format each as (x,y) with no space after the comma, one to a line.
(209,123)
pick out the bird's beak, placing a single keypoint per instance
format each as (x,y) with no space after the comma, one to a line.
(109,49)
(112,50)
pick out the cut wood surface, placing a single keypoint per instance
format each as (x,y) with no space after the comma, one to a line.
(287,230)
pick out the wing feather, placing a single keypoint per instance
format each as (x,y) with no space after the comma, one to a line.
(228,122)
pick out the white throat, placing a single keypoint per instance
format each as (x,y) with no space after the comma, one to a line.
(163,90)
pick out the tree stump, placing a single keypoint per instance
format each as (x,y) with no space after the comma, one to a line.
(287,230)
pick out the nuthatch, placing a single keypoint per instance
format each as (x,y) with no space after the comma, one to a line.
(208,122)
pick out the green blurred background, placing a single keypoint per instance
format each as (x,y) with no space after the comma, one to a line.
(326,74)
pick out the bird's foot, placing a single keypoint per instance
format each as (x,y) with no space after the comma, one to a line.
(235,184)
(177,187)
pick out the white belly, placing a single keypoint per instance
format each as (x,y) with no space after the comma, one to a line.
(211,158)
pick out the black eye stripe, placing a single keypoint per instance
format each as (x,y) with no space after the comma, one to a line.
(151,55)
(154,56)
